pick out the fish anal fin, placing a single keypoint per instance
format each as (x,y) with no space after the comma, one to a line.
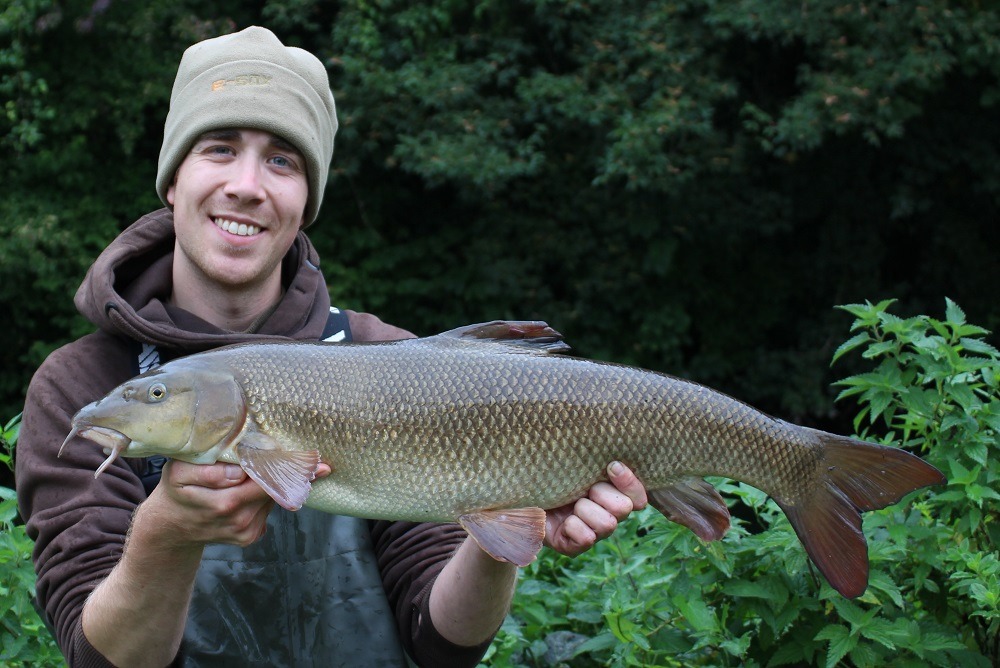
(286,475)
(694,503)
(533,335)
(852,476)
(514,535)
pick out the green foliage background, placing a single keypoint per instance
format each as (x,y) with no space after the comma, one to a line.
(687,186)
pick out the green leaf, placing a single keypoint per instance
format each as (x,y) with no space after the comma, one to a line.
(979,347)
(841,642)
(934,641)
(880,581)
(953,313)
(598,643)
(849,345)
(879,349)
(697,613)
(789,653)
(881,631)
(623,627)
(851,613)
(737,646)
(765,588)
(864,656)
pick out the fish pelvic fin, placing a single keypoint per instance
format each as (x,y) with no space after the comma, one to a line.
(514,535)
(529,335)
(854,476)
(286,475)
(694,503)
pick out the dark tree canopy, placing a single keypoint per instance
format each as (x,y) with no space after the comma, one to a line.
(687,186)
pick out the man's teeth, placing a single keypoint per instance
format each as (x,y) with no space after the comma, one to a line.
(233,227)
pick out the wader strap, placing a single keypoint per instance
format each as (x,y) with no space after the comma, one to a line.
(338,329)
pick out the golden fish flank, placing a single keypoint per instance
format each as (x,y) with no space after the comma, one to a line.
(487,426)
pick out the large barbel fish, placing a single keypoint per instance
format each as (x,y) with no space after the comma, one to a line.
(488,425)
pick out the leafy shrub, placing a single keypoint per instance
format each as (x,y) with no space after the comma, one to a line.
(24,640)
(653,594)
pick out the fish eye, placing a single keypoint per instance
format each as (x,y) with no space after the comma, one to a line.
(157,392)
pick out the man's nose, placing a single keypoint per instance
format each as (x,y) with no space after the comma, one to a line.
(246,180)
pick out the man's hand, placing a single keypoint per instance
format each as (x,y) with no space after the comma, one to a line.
(214,503)
(575,527)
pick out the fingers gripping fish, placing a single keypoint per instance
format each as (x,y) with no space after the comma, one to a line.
(487,426)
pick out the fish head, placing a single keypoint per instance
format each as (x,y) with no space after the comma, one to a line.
(180,411)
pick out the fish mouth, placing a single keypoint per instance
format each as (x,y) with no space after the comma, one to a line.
(114,442)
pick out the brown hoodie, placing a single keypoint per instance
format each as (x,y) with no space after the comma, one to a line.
(79,523)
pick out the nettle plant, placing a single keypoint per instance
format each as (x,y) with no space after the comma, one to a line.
(24,640)
(655,595)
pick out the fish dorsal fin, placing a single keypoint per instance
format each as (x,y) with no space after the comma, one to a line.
(694,503)
(286,475)
(514,535)
(527,335)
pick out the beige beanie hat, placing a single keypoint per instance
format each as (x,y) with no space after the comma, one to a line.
(251,80)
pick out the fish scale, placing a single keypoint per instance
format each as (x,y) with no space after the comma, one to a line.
(485,426)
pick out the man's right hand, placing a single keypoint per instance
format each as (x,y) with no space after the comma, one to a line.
(208,503)
(193,504)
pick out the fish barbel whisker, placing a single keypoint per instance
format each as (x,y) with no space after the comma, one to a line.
(112,440)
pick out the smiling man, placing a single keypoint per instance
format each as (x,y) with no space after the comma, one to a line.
(189,564)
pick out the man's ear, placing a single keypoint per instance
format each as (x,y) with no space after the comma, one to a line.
(170,190)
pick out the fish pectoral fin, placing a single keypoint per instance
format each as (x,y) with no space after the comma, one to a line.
(286,475)
(513,535)
(694,503)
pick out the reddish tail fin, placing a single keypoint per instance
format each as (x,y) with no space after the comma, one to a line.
(854,476)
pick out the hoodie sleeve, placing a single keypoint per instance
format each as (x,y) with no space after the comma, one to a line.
(410,557)
(78,523)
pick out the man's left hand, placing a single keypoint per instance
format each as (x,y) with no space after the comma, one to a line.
(576,527)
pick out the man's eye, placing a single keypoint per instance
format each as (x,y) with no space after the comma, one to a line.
(282,161)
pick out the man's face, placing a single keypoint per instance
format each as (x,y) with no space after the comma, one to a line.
(239,198)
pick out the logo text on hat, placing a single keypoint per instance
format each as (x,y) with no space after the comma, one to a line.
(242,80)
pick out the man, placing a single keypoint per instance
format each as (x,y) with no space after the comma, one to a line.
(193,566)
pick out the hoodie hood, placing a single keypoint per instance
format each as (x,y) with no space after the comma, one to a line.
(125,293)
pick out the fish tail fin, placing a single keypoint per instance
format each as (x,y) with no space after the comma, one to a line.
(853,476)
